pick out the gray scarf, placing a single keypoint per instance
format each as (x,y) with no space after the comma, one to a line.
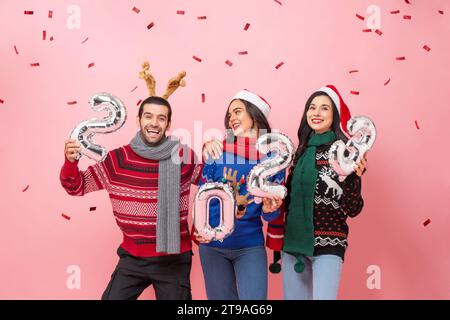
(168,220)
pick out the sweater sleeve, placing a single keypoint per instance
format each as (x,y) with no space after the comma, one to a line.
(78,183)
(352,202)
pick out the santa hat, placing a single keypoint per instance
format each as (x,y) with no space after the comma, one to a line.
(256,100)
(344,112)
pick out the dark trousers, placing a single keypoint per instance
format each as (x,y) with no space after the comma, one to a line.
(169,275)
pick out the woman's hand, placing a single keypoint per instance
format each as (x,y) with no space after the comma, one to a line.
(361,166)
(270,205)
(213,149)
(199,238)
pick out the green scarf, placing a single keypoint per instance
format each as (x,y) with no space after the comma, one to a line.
(299,236)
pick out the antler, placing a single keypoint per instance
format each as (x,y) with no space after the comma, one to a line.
(149,79)
(174,83)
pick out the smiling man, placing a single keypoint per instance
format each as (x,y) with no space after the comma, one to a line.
(148,182)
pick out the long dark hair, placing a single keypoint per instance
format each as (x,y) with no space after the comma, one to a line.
(255,114)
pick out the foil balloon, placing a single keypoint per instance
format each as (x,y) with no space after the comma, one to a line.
(207,192)
(84,132)
(257,181)
(344,156)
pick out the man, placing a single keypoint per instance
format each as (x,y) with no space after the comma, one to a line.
(148,183)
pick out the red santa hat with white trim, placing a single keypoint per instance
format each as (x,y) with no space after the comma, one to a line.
(255,99)
(344,111)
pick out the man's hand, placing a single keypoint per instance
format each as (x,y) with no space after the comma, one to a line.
(71,150)
(199,238)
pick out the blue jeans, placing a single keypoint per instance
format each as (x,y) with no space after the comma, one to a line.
(233,274)
(319,280)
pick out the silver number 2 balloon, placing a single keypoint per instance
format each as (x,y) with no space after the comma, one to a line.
(84,132)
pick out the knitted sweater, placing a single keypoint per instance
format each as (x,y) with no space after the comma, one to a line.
(334,201)
(132,184)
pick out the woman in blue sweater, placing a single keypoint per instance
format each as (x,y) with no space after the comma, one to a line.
(236,268)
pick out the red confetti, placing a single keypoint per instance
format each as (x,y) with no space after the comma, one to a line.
(395,12)
(85,40)
(72,102)
(355,92)
(407,17)
(279,65)
(203,98)
(91,65)
(407,1)
(139,102)
(180,12)
(36,64)
(247,25)
(367,30)
(426,47)
(15,49)
(201,18)
(134,89)
(92,208)
(136,10)
(242,52)
(51,38)
(197,58)
(26,188)
(378,32)
(228,62)
(65,216)
(389,80)
(427,222)
(278,2)
(441,11)
(28,12)
(353,71)
(400,58)
(1,101)
(360,17)
(150,25)
(44,34)
(417,125)
(50,14)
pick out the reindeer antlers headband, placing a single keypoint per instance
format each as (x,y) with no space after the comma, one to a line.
(172,85)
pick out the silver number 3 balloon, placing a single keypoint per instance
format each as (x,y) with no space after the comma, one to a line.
(84,132)
(257,182)
(343,157)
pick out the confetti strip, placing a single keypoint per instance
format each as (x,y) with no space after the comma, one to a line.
(180,12)
(50,14)
(400,58)
(279,65)
(247,25)
(85,40)
(407,17)
(139,102)
(441,11)
(360,17)
(353,71)
(70,103)
(356,93)
(150,25)
(427,222)
(417,125)
(203,98)
(36,64)
(378,32)
(92,208)
(197,58)
(44,34)
(278,2)
(51,38)
(228,62)
(28,12)
(15,49)
(26,188)
(426,47)
(134,89)
(201,18)
(91,65)
(1,101)
(386,83)
(242,52)
(65,216)
(367,30)
(407,1)
(395,12)
(136,10)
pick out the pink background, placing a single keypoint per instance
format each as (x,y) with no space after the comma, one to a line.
(319,43)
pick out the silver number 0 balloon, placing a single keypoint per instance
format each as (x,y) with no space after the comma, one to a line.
(84,132)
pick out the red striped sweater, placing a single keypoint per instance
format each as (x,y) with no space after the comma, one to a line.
(132,184)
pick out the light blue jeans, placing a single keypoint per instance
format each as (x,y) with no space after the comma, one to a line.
(233,274)
(319,280)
